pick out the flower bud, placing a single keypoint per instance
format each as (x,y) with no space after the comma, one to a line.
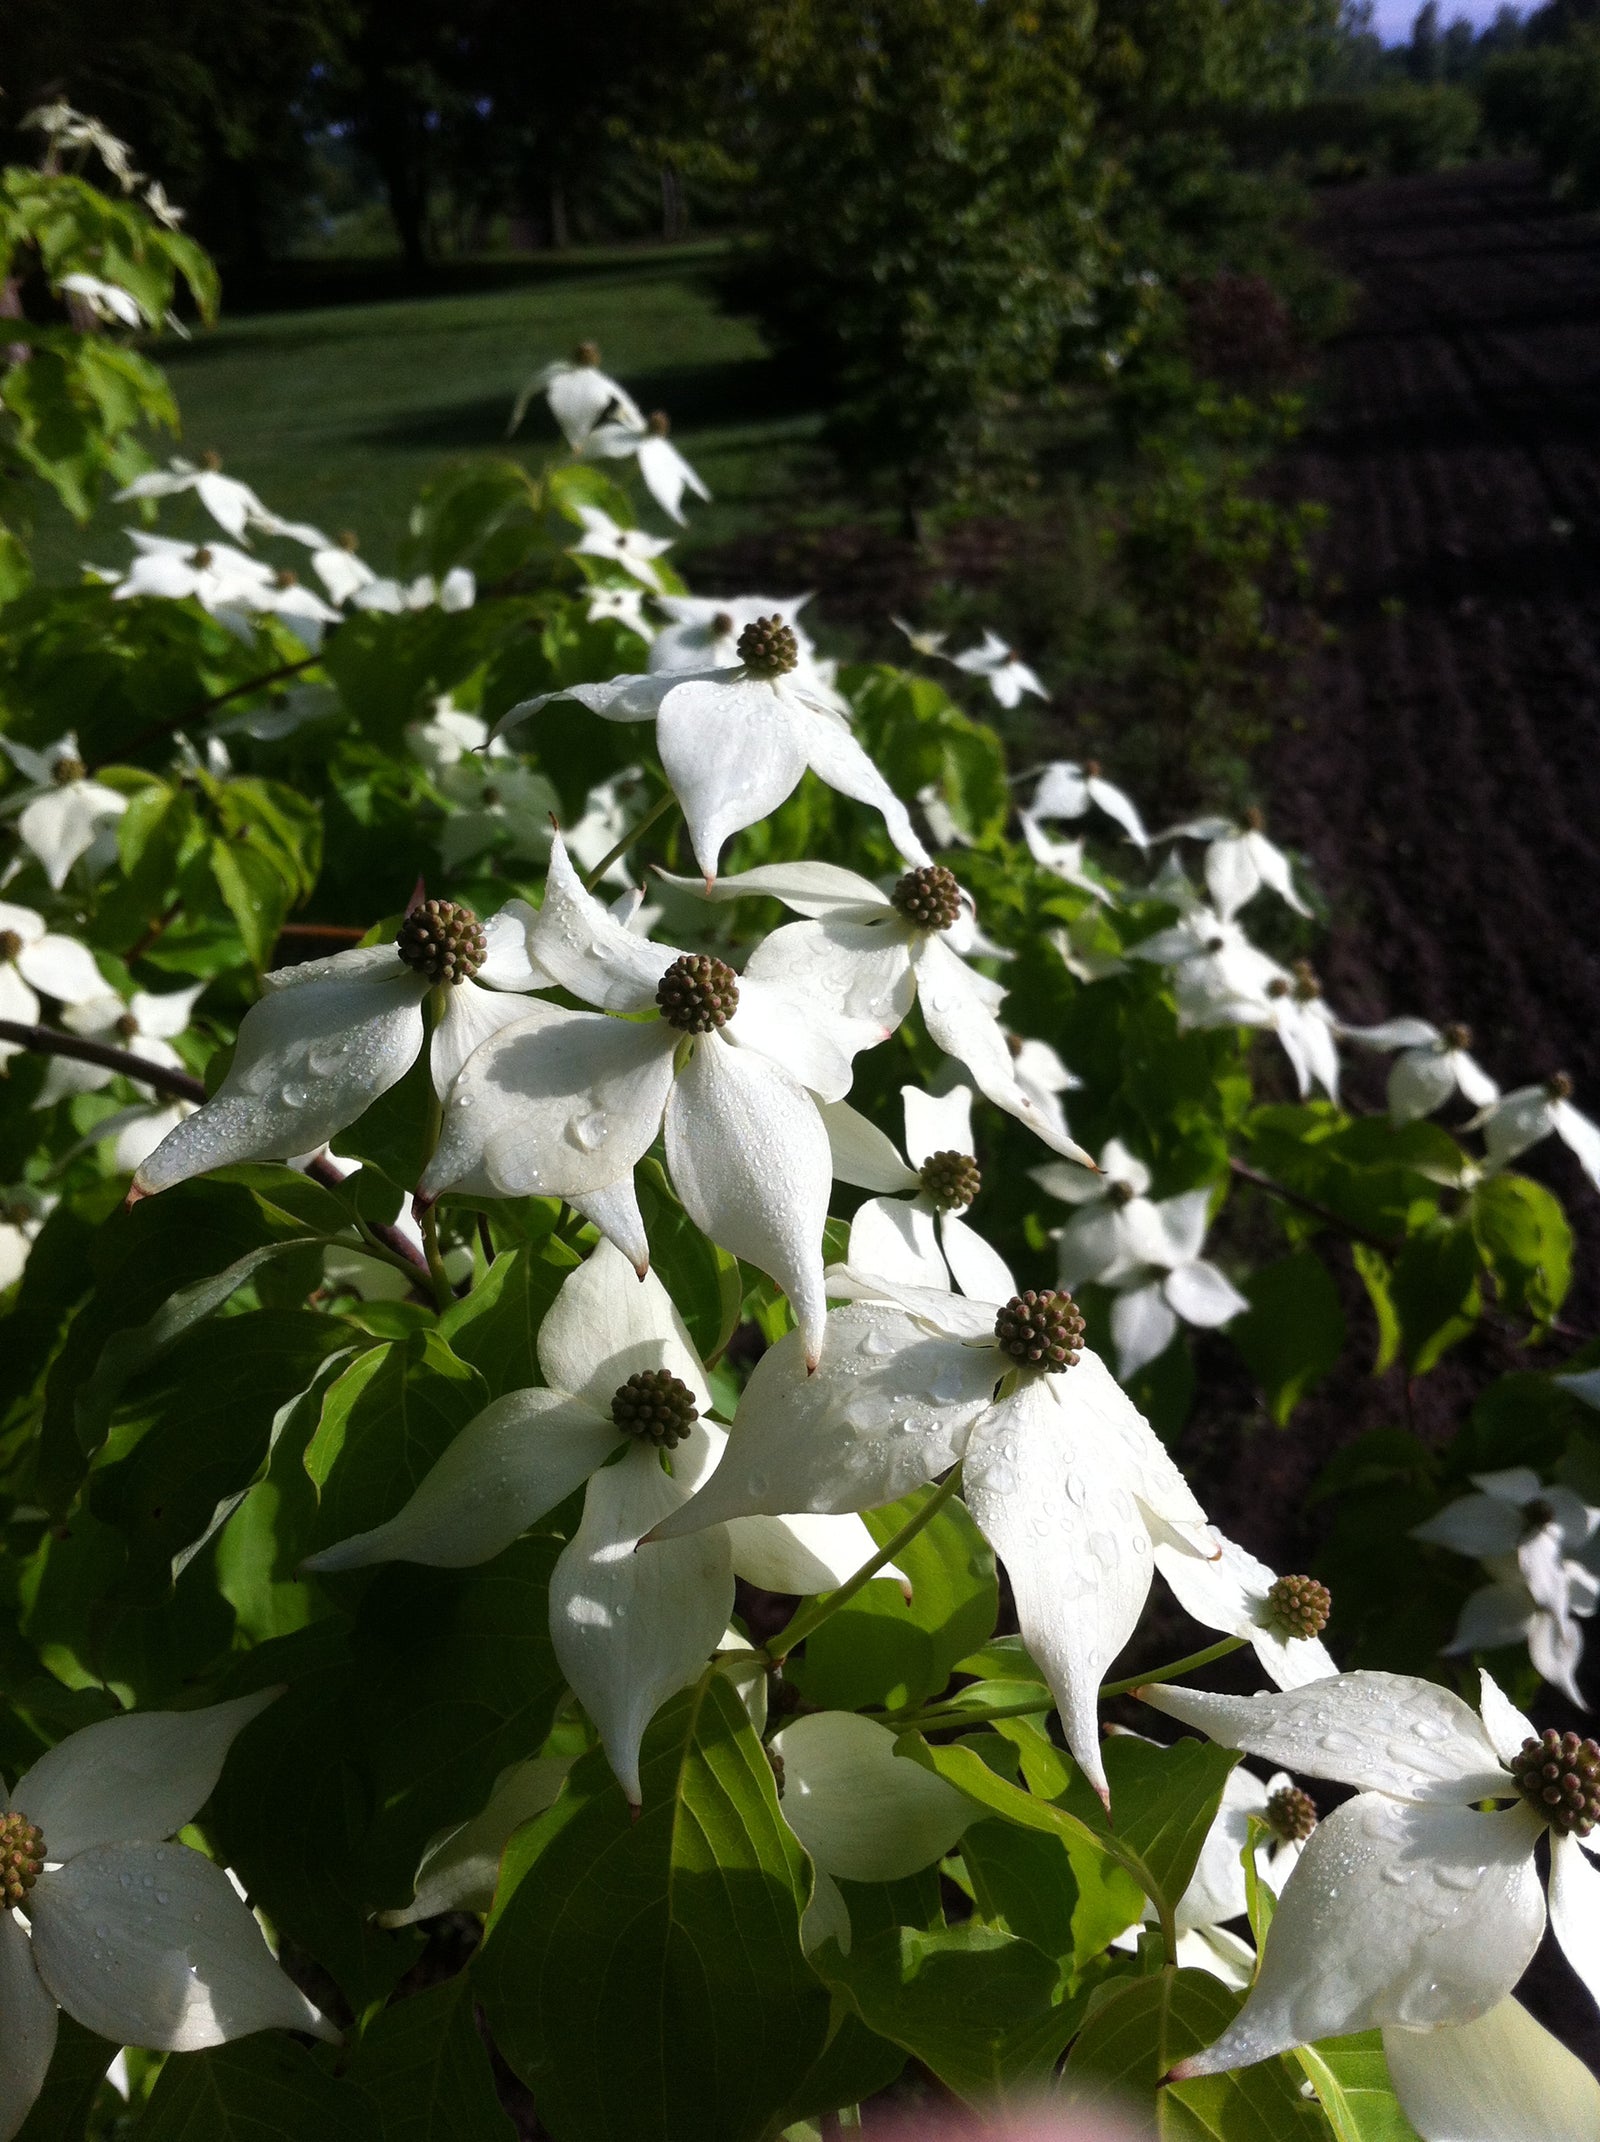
(698,993)
(930,898)
(952,1180)
(443,941)
(1559,1775)
(67,769)
(654,1407)
(1298,1606)
(1291,1814)
(21,1858)
(1042,1330)
(768,647)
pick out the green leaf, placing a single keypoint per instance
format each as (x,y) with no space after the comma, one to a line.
(879,1650)
(1523,1237)
(1377,1278)
(701,1278)
(1435,1292)
(495,1328)
(394,1133)
(1293,1331)
(644,1977)
(1163,1802)
(981,2008)
(1024,1881)
(1351,2079)
(77,2069)
(426,2069)
(1139,2032)
(385,1421)
(258,2089)
(255,893)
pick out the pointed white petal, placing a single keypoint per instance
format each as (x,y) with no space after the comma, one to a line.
(460,1873)
(1213,1949)
(1473,1524)
(1038,1483)
(803,1554)
(65,823)
(1202,1295)
(859,971)
(1476,1085)
(165,1013)
(1272,867)
(561,1103)
(507,965)
(1143,1326)
(27,2027)
(1229,1593)
(472,1015)
(861,1153)
(1403,1033)
(1420,1080)
(1394,1914)
(606,1324)
(1178,1227)
(749,1157)
(1575,1909)
(1169,1503)
(615,1211)
(1500,2078)
(897,1239)
(309,1060)
(520,1457)
(937,1122)
(889,1408)
(864,1813)
(798,1027)
(1216,1891)
(170,1958)
(143,1775)
(1062,792)
(979,1271)
(1580,1137)
(809,888)
(1119,806)
(958,1017)
(1380,1732)
(936,1309)
(1231,874)
(1495,1615)
(630,1629)
(834,756)
(1096,1243)
(826,1917)
(62,968)
(575,938)
(731,753)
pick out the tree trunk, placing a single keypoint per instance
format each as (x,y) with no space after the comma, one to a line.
(559,235)
(674,212)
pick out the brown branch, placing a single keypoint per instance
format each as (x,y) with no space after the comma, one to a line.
(158,729)
(1324,1213)
(344,933)
(183,1086)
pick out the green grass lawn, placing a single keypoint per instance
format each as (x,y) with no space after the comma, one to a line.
(339,414)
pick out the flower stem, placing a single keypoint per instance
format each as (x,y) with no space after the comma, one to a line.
(940,1715)
(443,1292)
(1171,1673)
(657,810)
(812,1617)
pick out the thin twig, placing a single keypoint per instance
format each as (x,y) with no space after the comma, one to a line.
(1325,1213)
(190,715)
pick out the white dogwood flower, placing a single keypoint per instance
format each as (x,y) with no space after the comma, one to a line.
(1307,1029)
(228,584)
(146,1026)
(1500,2077)
(458,590)
(579,395)
(703,632)
(880,952)
(108,302)
(330,1036)
(918,1235)
(565,1103)
(23,1211)
(1239,861)
(631,548)
(143,1942)
(735,742)
(923,641)
(233,505)
(1532,1540)
(1005,673)
(1409,1905)
(1218,976)
(1067,790)
(619,606)
(71,129)
(621,1376)
(64,814)
(1106,1236)
(1172,1282)
(1432,1064)
(1059,1469)
(1519,1120)
(35,959)
(1280,1618)
(665,472)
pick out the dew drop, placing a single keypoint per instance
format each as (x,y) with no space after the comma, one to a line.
(163,1896)
(293,1094)
(588,1130)
(1338,1743)
(876,1343)
(1431,1729)
(1398,1875)
(1465,1878)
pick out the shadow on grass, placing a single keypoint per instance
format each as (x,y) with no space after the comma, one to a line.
(310,285)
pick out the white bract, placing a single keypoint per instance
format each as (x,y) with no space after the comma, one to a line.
(23,1211)
(580,396)
(923,641)
(1239,860)
(458,590)
(36,960)
(619,606)
(735,742)
(629,1629)
(665,472)
(1522,1119)
(880,952)
(631,548)
(1067,790)
(1532,1540)
(68,128)
(1307,1029)
(1107,1234)
(143,1942)
(1064,859)
(146,1026)
(1241,1596)
(1217,976)
(230,503)
(1005,673)
(328,1037)
(1059,1469)
(702,632)
(1410,1905)
(460,1869)
(919,1235)
(1501,2078)
(108,302)
(229,585)
(64,814)
(1432,1065)
(565,1103)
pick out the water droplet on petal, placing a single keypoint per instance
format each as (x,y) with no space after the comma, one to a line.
(293,1094)
(589,1129)
(1338,1743)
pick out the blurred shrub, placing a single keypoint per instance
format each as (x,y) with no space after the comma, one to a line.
(1547,99)
(1392,131)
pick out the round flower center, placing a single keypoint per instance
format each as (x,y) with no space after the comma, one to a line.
(212,460)
(443,941)
(776,1760)
(1091,769)
(660,423)
(1559,1086)
(721,625)
(21,1858)
(654,1407)
(285,578)
(930,898)
(952,1180)
(1120,1193)
(1041,1330)
(769,648)
(127,1027)
(349,540)
(10,944)
(1457,1035)
(67,769)
(1559,1774)
(698,993)
(586,353)
(1291,1814)
(13,1213)
(201,559)
(1298,1606)
(1254,819)
(1306,985)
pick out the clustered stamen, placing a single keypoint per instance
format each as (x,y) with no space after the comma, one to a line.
(1291,1814)
(1559,1086)
(952,1180)
(1254,818)
(768,647)
(1457,1035)
(10,944)
(654,1407)
(1299,1606)
(698,993)
(930,898)
(67,769)
(443,941)
(127,1027)
(1041,1329)
(21,1858)
(1559,1774)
